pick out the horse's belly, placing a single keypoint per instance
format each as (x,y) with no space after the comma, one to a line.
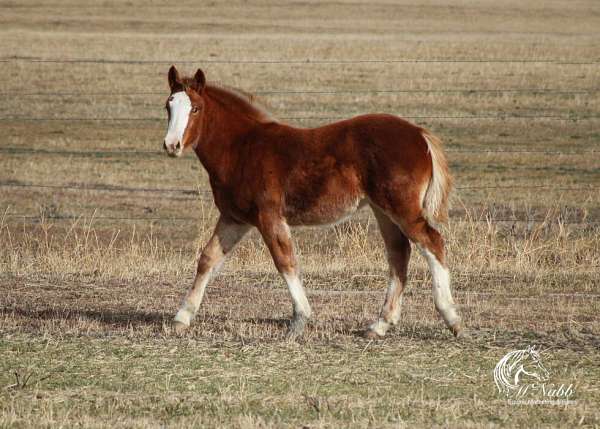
(326,211)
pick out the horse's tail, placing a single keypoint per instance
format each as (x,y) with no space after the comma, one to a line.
(435,200)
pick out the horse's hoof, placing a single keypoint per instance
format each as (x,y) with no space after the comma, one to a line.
(296,328)
(460,332)
(179,327)
(376,330)
(464,335)
(370,334)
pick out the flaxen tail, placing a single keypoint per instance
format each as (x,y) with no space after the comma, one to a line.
(435,200)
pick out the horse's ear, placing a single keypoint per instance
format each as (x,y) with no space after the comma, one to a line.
(199,81)
(174,81)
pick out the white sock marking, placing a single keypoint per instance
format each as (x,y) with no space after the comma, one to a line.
(301,305)
(380,327)
(442,296)
(192,301)
(184,316)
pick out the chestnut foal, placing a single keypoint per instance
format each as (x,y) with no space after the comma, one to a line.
(269,175)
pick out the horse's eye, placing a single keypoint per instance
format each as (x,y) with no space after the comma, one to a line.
(195,109)
(170,98)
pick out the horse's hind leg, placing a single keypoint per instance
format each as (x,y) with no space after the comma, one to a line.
(431,245)
(398,253)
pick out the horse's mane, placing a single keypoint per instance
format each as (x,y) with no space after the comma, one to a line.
(238,99)
(504,369)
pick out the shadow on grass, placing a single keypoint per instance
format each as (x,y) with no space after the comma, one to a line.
(111,317)
(480,336)
(126,318)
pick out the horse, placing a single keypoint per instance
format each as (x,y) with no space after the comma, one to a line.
(516,364)
(269,175)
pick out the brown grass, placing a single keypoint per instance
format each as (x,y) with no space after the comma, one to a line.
(85,303)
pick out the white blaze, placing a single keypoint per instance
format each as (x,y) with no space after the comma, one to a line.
(180,107)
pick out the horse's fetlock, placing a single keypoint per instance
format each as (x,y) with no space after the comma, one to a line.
(184,315)
(379,327)
(296,327)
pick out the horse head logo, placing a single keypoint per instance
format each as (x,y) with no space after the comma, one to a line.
(517,365)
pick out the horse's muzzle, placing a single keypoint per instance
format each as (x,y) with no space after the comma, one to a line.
(173,150)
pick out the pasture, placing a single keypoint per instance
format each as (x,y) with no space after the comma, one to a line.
(99,228)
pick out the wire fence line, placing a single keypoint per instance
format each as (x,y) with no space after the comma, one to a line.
(98,187)
(581,91)
(416,292)
(38,218)
(208,195)
(305,61)
(312,282)
(160,153)
(497,117)
(106,188)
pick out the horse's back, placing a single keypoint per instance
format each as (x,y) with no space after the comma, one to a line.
(379,148)
(339,166)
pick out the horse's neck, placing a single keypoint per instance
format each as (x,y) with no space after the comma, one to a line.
(514,367)
(216,149)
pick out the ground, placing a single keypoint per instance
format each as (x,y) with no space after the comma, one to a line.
(91,278)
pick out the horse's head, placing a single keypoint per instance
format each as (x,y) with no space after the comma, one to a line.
(185,108)
(532,365)
(510,370)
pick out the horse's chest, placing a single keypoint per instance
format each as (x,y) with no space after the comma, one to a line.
(237,205)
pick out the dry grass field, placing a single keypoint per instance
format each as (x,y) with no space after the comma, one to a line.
(94,263)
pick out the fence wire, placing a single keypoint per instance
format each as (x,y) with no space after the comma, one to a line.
(496,117)
(155,153)
(206,195)
(554,91)
(192,194)
(40,218)
(98,187)
(305,61)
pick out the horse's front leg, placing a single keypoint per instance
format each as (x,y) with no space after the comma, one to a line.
(276,234)
(225,236)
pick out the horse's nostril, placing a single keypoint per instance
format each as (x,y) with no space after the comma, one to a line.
(178,146)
